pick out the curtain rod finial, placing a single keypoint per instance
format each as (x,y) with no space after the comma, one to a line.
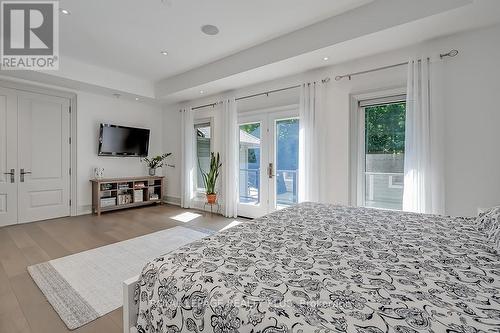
(452,53)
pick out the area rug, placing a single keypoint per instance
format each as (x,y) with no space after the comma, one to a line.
(85,286)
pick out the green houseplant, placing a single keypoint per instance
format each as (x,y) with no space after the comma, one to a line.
(155,162)
(210,177)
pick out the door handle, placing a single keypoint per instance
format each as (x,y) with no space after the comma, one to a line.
(21,175)
(270,171)
(12,174)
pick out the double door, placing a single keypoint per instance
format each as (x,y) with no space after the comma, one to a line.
(268,160)
(34,156)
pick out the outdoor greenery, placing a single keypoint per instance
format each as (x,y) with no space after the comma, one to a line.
(210,177)
(249,128)
(252,129)
(385,128)
(287,145)
(288,142)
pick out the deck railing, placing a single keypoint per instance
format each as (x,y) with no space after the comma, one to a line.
(384,189)
(286,186)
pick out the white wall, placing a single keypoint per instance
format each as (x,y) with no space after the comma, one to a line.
(472,114)
(171,144)
(473,123)
(93,109)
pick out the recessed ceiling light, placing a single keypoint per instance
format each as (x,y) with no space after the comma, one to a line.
(65,11)
(202,92)
(325,58)
(137,98)
(210,30)
(164,53)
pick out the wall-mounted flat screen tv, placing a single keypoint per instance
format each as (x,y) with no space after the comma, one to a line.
(123,141)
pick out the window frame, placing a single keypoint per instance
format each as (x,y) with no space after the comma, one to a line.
(357,188)
(201,191)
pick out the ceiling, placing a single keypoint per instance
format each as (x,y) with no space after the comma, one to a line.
(128,35)
(481,13)
(113,46)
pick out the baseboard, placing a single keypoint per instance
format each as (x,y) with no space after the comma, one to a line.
(172,200)
(84,210)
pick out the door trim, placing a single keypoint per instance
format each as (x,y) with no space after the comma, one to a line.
(72,96)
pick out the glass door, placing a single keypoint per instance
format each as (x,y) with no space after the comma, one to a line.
(269,145)
(284,161)
(253,153)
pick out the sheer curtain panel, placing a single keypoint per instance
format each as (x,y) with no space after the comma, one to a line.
(230,157)
(423,165)
(188,157)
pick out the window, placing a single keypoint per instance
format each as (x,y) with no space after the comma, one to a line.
(382,123)
(203,132)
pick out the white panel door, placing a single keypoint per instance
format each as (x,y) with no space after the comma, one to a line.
(44,157)
(8,156)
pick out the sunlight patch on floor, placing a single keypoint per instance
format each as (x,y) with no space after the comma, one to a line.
(185,217)
(232,224)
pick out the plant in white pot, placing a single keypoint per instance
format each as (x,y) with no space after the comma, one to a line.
(155,162)
(210,178)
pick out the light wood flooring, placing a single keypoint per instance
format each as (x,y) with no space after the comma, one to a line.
(23,307)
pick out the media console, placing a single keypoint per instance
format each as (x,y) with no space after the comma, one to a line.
(120,193)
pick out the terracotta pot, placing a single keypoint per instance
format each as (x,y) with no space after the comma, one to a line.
(211,198)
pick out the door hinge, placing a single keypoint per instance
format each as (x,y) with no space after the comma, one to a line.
(69,109)
(70,202)
(69,140)
(70,171)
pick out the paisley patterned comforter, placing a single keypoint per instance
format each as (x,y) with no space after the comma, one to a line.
(324,268)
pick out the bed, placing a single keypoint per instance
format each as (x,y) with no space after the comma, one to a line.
(325,268)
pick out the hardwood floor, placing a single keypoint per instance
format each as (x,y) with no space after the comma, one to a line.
(23,307)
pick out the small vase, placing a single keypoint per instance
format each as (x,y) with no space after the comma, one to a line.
(211,198)
(152,171)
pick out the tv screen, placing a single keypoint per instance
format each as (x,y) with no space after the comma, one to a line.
(123,141)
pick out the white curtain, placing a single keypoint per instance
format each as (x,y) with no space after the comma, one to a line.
(188,157)
(423,179)
(230,151)
(311,139)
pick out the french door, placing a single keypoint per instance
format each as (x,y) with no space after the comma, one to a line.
(8,156)
(34,157)
(268,159)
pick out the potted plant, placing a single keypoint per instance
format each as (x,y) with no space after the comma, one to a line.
(155,162)
(210,177)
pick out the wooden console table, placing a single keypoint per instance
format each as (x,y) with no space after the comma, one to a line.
(120,193)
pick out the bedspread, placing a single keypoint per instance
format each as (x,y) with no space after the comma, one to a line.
(325,268)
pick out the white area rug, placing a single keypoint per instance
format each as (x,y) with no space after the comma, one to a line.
(85,286)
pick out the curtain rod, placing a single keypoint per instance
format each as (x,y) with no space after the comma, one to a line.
(325,80)
(245,97)
(452,53)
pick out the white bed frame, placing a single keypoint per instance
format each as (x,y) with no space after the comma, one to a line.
(129,308)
